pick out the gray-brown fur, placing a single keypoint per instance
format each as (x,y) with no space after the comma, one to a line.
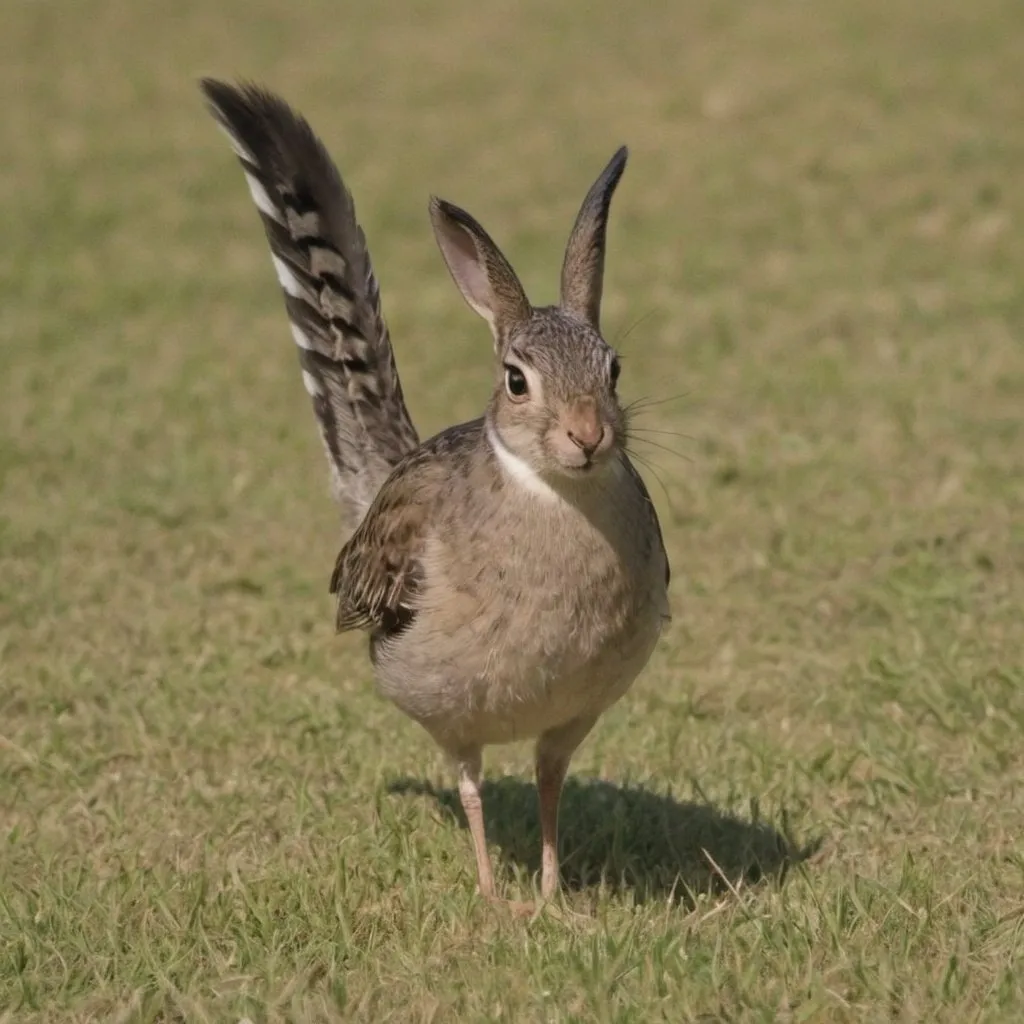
(510,571)
(331,295)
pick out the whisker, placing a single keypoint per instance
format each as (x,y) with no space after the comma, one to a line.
(647,464)
(653,430)
(646,402)
(629,330)
(664,448)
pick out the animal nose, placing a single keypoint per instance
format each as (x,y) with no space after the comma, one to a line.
(587,438)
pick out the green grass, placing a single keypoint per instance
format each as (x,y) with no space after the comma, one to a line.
(810,807)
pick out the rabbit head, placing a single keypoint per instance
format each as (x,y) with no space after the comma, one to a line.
(555,406)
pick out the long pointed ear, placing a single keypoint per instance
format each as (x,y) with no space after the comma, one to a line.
(583,267)
(485,278)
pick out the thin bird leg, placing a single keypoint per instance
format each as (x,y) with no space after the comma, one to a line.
(469,794)
(550,778)
(554,751)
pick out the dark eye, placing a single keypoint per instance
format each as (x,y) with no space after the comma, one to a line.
(515,382)
(613,371)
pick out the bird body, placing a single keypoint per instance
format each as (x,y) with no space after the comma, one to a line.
(514,638)
(510,572)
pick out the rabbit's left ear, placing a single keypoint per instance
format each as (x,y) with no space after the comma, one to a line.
(485,278)
(583,266)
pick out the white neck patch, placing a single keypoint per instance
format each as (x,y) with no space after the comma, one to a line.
(520,471)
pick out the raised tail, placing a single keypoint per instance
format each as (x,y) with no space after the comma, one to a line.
(330,291)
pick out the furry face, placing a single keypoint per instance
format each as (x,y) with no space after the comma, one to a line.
(554,404)
(554,411)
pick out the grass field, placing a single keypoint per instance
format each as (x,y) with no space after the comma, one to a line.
(810,807)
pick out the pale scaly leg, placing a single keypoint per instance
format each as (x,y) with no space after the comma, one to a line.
(469,793)
(554,751)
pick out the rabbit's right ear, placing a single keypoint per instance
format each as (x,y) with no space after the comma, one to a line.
(485,278)
(583,267)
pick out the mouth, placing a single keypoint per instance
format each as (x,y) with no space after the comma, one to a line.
(577,462)
(585,467)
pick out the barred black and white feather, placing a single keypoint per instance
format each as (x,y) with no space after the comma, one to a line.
(331,293)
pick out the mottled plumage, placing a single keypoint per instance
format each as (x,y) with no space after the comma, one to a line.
(330,291)
(510,571)
(378,573)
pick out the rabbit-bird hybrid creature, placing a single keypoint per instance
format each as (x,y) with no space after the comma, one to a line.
(510,571)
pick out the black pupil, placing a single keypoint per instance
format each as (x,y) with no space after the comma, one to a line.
(516,381)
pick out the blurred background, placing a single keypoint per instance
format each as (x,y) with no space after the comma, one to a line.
(815,266)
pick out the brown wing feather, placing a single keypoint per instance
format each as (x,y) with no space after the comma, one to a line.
(378,573)
(654,515)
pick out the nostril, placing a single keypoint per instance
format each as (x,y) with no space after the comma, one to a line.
(587,442)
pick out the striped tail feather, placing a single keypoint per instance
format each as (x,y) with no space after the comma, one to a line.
(331,293)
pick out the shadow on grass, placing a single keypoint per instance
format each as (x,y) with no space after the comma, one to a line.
(628,838)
